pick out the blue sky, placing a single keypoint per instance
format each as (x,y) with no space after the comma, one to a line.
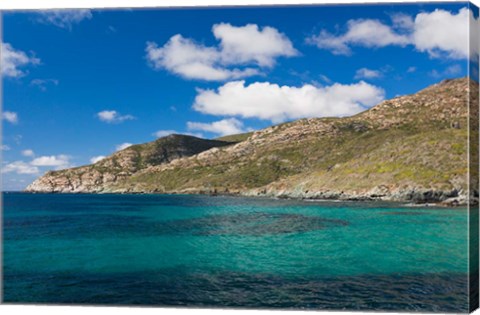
(77,85)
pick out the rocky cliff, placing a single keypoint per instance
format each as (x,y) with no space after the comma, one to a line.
(410,148)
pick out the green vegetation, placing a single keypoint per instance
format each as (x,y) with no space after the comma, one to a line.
(235,138)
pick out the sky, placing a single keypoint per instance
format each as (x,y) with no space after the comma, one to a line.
(79,85)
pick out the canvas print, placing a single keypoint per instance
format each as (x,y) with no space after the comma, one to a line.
(320,157)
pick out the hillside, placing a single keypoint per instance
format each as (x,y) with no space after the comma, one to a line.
(236,138)
(122,164)
(411,147)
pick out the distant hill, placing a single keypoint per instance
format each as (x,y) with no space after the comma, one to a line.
(410,148)
(122,164)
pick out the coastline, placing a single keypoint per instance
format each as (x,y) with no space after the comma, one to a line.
(420,198)
(397,151)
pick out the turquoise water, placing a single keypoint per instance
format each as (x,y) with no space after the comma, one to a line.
(230,251)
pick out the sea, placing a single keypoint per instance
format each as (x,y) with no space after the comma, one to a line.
(233,252)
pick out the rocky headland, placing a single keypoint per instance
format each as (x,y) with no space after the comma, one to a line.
(412,148)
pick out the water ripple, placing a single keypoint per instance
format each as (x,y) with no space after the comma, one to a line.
(444,292)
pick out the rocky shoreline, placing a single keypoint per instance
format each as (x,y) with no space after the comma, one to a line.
(415,196)
(420,197)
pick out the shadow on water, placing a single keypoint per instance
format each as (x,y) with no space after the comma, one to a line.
(251,224)
(445,292)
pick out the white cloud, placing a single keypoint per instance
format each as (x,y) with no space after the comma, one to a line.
(112,116)
(440,33)
(367,33)
(250,44)
(20,167)
(222,127)
(96,159)
(11,117)
(365,73)
(123,146)
(28,152)
(64,18)
(57,162)
(164,133)
(411,69)
(187,59)
(11,60)
(5,147)
(43,83)
(244,45)
(270,101)
(61,161)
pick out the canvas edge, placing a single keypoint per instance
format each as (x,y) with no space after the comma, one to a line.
(473,160)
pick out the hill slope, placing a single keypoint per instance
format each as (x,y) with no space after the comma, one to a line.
(122,164)
(412,147)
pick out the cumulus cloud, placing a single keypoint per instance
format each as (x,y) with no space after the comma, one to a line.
(96,159)
(123,146)
(11,117)
(365,73)
(28,152)
(184,57)
(250,44)
(20,167)
(64,18)
(59,162)
(112,116)
(245,45)
(5,147)
(11,60)
(442,33)
(43,83)
(439,33)
(276,103)
(222,127)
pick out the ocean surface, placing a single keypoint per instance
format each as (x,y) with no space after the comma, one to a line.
(204,251)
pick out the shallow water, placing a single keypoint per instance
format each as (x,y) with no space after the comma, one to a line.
(230,251)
